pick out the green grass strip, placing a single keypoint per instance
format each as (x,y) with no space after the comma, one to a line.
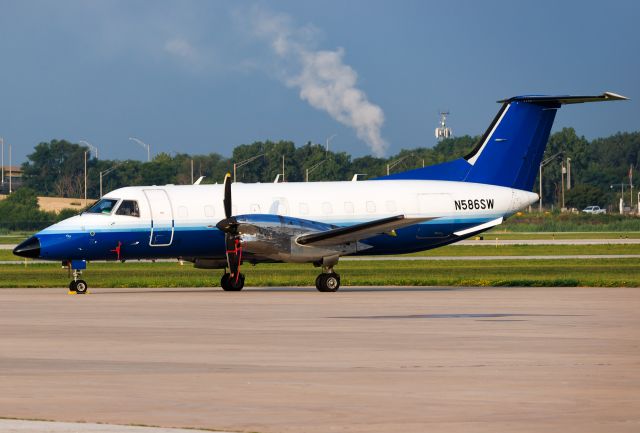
(586,272)
(486,248)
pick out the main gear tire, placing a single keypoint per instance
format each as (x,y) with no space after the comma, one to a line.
(231,284)
(328,282)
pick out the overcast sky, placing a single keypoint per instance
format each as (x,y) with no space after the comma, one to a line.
(205,76)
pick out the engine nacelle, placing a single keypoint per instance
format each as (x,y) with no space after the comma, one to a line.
(274,237)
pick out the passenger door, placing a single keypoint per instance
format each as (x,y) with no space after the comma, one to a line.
(162,222)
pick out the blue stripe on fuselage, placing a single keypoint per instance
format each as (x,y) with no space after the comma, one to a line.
(208,241)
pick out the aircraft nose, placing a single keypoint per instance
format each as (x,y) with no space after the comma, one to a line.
(29,248)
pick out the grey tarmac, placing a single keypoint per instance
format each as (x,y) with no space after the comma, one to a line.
(381,359)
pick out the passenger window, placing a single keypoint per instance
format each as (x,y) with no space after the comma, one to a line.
(371,207)
(128,208)
(183,212)
(327,208)
(208,211)
(348,207)
(391,206)
(304,209)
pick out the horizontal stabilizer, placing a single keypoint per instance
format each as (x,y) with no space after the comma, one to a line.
(566,99)
(358,232)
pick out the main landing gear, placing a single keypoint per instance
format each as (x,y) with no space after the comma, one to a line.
(230,283)
(328,281)
(75,269)
(233,281)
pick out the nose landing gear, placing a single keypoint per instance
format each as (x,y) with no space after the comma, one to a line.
(78,286)
(75,267)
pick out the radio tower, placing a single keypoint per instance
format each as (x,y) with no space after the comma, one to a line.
(442,131)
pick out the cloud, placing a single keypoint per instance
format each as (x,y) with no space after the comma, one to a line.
(322,77)
(181,48)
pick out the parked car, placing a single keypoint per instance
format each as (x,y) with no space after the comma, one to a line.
(594,210)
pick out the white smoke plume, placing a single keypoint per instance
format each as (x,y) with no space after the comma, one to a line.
(324,80)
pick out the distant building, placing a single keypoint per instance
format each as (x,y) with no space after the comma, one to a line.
(15,171)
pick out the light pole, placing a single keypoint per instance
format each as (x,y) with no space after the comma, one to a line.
(10,169)
(312,168)
(237,165)
(542,164)
(563,172)
(143,144)
(90,146)
(329,140)
(2,141)
(621,185)
(107,171)
(85,178)
(396,162)
(631,186)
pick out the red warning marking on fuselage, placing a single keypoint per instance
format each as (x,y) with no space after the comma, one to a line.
(117,249)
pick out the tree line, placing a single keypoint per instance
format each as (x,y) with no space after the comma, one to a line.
(56,168)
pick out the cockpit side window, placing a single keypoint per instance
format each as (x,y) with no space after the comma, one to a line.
(103,206)
(128,208)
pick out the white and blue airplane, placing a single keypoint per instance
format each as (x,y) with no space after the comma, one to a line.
(315,222)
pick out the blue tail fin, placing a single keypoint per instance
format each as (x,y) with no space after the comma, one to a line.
(509,152)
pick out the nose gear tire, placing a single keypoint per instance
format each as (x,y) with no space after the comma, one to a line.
(80,287)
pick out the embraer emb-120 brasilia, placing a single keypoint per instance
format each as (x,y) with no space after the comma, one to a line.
(224,226)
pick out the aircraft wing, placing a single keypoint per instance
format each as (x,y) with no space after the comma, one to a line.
(358,232)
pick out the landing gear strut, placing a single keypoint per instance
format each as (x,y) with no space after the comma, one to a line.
(77,285)
(328,281)
(233,281)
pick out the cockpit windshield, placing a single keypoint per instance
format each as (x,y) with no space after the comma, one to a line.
(103,206)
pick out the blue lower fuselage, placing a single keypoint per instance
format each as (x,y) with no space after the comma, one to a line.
(208,242)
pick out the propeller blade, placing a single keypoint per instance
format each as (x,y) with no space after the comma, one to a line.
(227,195)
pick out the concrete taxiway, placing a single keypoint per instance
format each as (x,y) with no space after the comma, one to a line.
(404,359)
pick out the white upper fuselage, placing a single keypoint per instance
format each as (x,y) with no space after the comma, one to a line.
(341,203)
